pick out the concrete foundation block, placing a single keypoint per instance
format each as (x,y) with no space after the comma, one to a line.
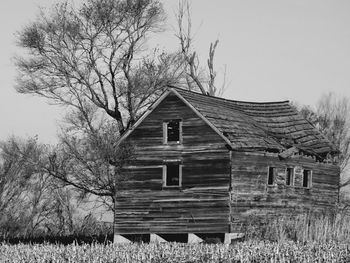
(154,238)
(193,239)
(229,237)
(119,239)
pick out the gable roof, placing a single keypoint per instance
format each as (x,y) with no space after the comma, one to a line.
(268,126)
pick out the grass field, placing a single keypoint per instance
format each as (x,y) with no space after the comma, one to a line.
(250,251)
(304,238)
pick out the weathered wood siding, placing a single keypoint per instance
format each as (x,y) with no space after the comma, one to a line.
(250,194)
(202,203)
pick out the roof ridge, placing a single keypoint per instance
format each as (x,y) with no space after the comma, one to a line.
(229,100)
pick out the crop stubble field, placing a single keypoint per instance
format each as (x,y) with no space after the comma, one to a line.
(298,239)
(249,251)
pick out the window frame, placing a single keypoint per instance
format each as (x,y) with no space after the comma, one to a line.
(309,182)
(274,170)
(292,179)
(165,132)
(164,185)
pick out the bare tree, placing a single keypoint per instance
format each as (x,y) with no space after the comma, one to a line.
(27,194)
(333,120)
(194,73)
(87,157)
(14,174)
(331,117)
(95,54)
(93,59)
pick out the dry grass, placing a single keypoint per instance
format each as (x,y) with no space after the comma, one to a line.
(303,228)
(175,252)
(305,238)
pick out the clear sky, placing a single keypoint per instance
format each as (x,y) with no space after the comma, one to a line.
(273,50)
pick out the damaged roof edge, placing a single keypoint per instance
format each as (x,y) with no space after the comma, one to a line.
(239,111)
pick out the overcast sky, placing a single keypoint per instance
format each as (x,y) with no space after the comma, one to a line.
(273,50)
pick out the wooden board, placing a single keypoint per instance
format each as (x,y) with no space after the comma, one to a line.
(251,196)
(201,204)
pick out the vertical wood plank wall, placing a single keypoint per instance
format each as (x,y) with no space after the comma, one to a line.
(201,204)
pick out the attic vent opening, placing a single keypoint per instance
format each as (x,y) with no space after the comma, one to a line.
(172,131)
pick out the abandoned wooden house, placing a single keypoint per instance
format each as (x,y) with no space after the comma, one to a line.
(204,164)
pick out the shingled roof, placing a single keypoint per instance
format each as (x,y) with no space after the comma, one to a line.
(260,126)
(270,126)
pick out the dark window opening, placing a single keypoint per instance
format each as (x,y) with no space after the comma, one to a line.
(172,177)
(290,176)
(172,131)
(271,176)
(307,178)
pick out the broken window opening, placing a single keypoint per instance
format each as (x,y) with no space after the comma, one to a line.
(307,177)
(172,131)
(172,175)
(290,176)
(271,176)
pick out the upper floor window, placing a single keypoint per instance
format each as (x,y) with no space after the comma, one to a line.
(271,176)
(172,175)
(290,176)
(172,131)
(307,178)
